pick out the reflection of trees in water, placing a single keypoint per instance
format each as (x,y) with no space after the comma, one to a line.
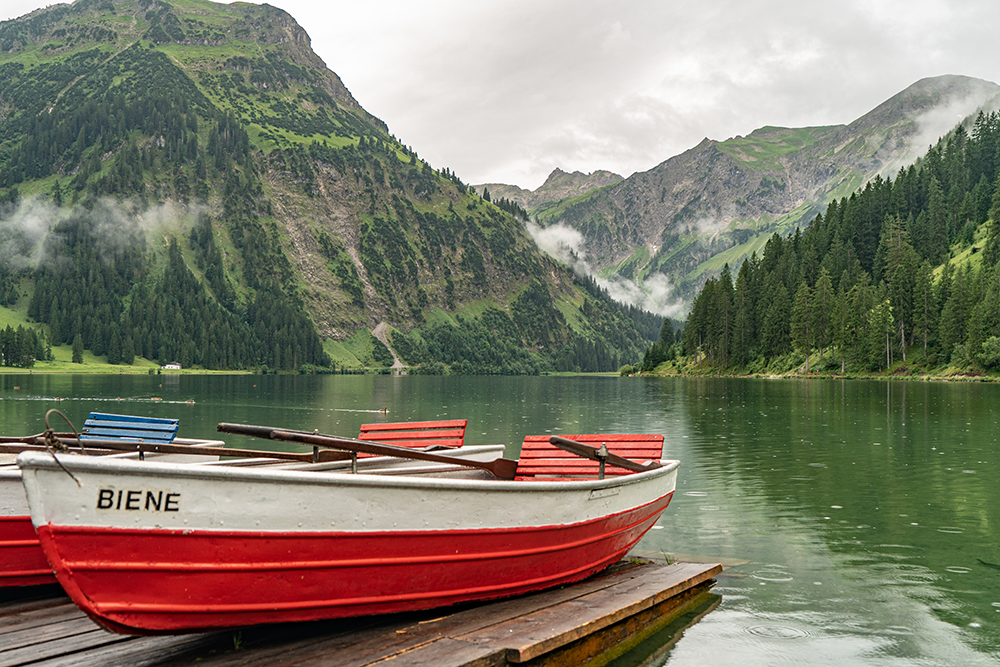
(895,478)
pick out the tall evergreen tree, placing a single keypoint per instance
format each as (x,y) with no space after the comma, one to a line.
(801,325)
(78,349)
(821,310)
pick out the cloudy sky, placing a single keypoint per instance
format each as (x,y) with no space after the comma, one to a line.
(506,91)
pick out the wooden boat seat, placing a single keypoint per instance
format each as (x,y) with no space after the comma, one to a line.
(447,434)
(540,459)
(103,426)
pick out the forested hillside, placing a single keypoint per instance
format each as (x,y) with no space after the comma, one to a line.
(187,182)
(901,275)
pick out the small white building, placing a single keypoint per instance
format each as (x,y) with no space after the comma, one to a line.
(172,366)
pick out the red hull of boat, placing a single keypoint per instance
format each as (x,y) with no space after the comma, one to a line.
(22,561)
(202,579)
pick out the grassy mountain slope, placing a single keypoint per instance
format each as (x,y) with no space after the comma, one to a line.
(720,201)
(251,189)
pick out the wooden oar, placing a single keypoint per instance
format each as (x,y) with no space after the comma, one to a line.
(500,468)
(157,448)
(10,447)
(595,454)
(30,439)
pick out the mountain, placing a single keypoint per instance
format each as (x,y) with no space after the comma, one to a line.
(722,200)
(557,187)
(188,181)
(902,277)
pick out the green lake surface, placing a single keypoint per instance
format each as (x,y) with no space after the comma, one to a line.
(867,511)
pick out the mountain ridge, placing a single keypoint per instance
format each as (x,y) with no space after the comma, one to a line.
(558,185)
(720,200)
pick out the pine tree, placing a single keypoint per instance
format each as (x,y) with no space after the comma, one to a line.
(801,325)
(924,306)
(937,224)
(78,349)
(722,317)
(821,310)
(744,325)
(775,339)
(838,326)
(879,340)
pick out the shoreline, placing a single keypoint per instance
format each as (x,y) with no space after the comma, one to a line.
(911,377)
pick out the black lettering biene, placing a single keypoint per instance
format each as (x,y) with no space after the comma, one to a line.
(105,499)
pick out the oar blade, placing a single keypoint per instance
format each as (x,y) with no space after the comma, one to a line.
(504,468)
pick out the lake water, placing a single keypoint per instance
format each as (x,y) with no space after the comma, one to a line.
(868,512)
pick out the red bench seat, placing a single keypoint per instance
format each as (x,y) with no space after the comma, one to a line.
(448,433)
(540,459)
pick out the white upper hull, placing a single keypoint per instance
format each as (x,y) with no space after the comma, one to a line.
(131,494)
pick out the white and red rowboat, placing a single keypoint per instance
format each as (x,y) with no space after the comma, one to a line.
(22,562)
(151,548)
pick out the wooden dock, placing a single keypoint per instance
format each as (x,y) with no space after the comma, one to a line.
(609,612)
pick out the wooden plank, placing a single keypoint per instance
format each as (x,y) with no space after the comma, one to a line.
(129,427)
(22,629)
(143,651)
(132,418)
(616,640)
(390,436)
(415,426)
(445,652)
(19,600)
(120,434)
(353,641)
(449,433)
(61,645)
(553,453)
(600,437)
(655,556)
(541,632)
(43,629)
(562,455)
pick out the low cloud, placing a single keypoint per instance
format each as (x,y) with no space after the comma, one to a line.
(562,242)
(655,294)
(23,230)
(934,124)
(116,226)
(709,227)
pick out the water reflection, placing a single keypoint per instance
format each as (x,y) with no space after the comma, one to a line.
(862,535)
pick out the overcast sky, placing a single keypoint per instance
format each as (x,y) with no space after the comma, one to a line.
(506,91)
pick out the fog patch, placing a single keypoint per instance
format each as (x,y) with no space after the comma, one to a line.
(23,230)
(935,123)
(709,227)
(655,294)
(116,226)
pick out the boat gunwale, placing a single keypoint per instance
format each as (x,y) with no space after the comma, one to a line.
(43,460)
